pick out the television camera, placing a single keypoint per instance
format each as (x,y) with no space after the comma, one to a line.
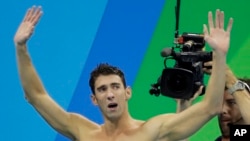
(186,76)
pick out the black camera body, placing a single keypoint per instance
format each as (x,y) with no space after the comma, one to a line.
(186,76)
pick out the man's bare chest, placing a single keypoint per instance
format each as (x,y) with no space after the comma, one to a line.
(136,136)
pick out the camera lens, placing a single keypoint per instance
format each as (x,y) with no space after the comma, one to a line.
(177,83)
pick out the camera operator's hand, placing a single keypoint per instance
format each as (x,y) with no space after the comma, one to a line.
(207,67)
(217,37)
(183,104)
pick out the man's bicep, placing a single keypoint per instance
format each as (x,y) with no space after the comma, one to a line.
(153,127)
(55,115)
(184,124)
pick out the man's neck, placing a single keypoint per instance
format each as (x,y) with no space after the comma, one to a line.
(119,125)
(225,138)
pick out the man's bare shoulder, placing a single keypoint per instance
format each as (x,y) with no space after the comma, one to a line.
(154,125)
(83,122)
(159,119)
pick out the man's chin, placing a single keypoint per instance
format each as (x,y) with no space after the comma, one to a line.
(113,116)
(225,129)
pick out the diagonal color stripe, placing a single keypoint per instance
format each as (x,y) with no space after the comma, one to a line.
(122,40)
(91,14)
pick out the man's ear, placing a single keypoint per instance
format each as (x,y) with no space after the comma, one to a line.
(128,93)
(93,98)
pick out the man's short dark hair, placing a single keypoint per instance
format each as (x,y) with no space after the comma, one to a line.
(105,69)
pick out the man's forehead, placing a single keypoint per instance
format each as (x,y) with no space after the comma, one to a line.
(228,96)
(108,80)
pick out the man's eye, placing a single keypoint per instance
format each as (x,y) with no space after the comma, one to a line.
(231,102)
(116,86)
(101,89)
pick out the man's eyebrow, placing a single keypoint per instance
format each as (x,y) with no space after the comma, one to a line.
(100,87)
(230,100)
(112,84)
(115,83)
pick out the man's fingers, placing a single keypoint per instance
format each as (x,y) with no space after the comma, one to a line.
(208,63)
(33,14)
(198,92)
(207,71)
(221,22)
(205,31)
(217,18)
(36,16)
(27,15)
(230,24)
(210,20)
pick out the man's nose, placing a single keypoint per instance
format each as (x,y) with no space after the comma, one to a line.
(110,95)
(224,108)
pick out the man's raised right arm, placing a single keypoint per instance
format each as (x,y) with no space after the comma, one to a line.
(35,93)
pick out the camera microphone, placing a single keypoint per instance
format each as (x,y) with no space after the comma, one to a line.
(166,52)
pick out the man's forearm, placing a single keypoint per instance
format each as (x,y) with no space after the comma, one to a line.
(242,98)
(216,84)
(30,81)
(230,78)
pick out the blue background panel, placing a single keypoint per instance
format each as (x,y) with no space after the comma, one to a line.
(59,49)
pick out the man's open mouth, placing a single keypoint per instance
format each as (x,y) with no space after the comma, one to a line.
(112,105)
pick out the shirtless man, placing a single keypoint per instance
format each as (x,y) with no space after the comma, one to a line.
(111,94)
